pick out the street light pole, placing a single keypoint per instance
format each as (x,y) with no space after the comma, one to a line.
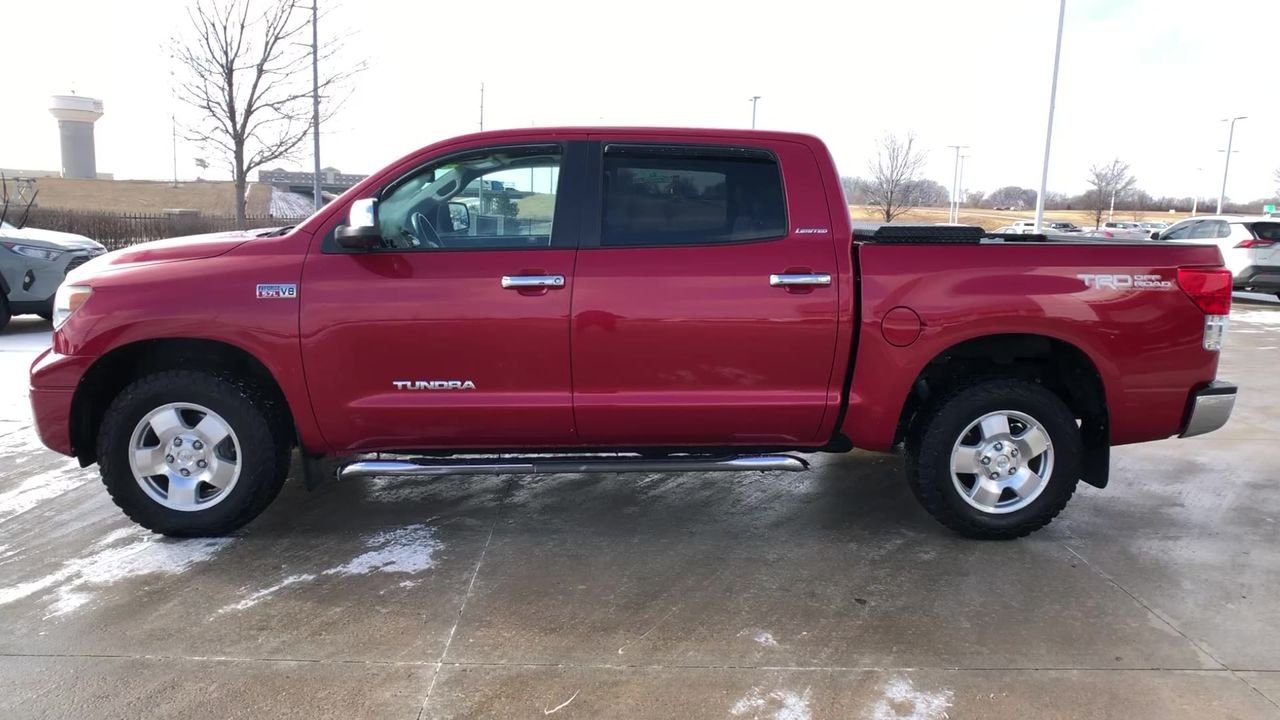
(315,100)
(1048,132)
(754,100)
(1226,164)
(960,186)
(953,209)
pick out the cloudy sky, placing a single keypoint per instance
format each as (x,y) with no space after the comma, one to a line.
(1143,80)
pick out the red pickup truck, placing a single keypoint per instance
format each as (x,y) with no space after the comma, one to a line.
(612,300)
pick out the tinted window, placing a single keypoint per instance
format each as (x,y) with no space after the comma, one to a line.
(1180,231)
(1210,230)
(491,199)
(677,196)
(1267,230)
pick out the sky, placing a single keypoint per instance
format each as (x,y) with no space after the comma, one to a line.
(1146,81)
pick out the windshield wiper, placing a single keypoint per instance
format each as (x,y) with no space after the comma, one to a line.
(278,231)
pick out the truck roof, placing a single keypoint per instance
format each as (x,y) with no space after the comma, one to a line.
(626,130)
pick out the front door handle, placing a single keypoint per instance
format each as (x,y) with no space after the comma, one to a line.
(800,280)
(524,282)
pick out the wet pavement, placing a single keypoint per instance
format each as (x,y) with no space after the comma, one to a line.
(826,594)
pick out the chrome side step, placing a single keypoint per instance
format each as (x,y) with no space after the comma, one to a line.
(428,467)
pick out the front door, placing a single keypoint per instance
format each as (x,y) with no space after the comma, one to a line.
(455,332)
(682,334)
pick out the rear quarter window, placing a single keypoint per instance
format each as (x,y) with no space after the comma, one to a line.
(1267,231)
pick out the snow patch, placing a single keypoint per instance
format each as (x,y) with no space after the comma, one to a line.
(762,637)
(777,704)
(256,597)
(1257,317)
(76,583)
(902,701)
(410,549)
(38,488)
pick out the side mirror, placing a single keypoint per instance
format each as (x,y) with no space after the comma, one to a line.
(361,231)
(1155,235)
(460,216)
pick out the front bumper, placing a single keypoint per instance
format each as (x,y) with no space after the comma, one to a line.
(1210,408)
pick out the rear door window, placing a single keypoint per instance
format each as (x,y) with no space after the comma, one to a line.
(1181,231)
(1210,230)
(673,195)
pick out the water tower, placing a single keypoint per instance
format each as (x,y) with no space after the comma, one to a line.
(76,116)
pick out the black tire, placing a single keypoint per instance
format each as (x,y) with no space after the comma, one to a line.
(263,454)
(929,457)
(4,312)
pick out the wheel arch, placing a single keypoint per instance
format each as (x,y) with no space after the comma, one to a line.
(114,370)
(1060,366)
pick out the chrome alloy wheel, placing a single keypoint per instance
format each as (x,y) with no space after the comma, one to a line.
(185,456)
(1002,462)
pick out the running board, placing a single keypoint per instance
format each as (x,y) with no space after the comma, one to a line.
(427,467)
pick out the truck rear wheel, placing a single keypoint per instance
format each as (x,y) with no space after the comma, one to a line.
(190,454)
(997,460)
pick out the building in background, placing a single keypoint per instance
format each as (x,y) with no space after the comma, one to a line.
(76,116)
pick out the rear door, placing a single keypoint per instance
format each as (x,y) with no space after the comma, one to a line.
(1265,237)
(705,297)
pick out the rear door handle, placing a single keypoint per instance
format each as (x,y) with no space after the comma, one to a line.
(520,282)
(800,280)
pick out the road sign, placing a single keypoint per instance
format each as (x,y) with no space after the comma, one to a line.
(1268,209)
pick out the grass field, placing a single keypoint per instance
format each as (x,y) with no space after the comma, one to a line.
(147,196)
(992,219)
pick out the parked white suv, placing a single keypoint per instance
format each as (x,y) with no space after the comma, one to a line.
(1250,246)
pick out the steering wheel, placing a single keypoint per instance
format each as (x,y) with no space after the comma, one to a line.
(422,229)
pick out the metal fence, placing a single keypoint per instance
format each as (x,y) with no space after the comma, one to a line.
(115,230)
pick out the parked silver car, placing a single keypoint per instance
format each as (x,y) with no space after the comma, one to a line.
(33,263)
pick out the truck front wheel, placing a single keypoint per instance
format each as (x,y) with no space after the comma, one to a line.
(191,454)
(996,460)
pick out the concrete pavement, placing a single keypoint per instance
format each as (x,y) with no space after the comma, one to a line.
(827,594)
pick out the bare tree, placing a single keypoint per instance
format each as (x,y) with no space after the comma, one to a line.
(1276,177)
(244,66)
(894,174)
(1110,181)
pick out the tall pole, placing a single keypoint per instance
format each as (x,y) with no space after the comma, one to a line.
(952,211)
(1111,214)
(174,118)
(754,100)
(960,185)
(315,101)
(1048,131)
(1195,201)
(1226,164)
(481,107)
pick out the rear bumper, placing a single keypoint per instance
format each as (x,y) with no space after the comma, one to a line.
(1210,408)
(1258,278)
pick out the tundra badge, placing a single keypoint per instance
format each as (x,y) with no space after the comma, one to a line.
(433,384)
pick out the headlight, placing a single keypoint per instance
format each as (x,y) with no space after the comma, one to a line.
(32,251)
(68,299)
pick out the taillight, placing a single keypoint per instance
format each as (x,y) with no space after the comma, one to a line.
(1210,290)
(1255,243)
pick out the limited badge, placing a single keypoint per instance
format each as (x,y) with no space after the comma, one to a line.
(277,291)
